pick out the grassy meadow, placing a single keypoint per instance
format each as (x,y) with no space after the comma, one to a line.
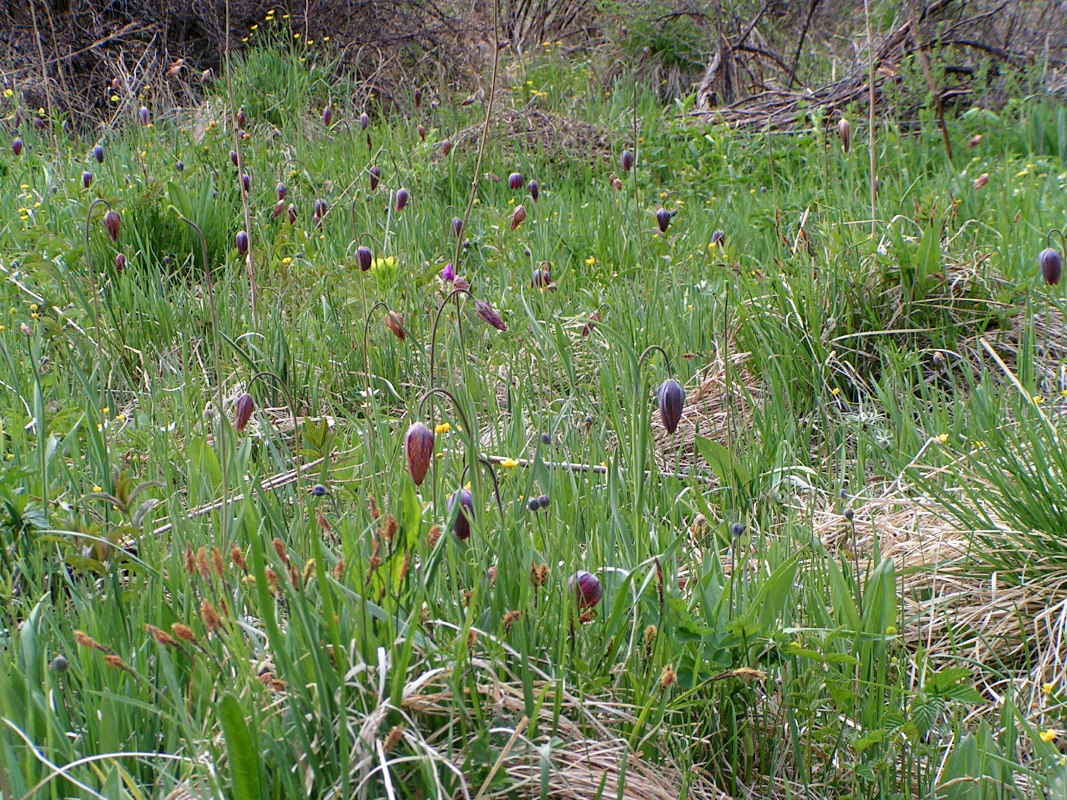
(842,575)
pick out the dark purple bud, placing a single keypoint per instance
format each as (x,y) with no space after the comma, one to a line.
(627,160)
(87,179)
(418,443)
(246,183)
(534,188)
(292,214)
(281,191)
(1051,266)
(718,238)
(402,198)
(98,153)
(518,217)
(113,221)
(365,257)
(457,226)
(489,314)
(364,120)
(40,123)
(245,407)
(120,262)
(375,177)
(321,208)
(422,132)
(318,490)
(16,146)
(533,504)
(242,117)
(181,166)
(233,157)
(279,209)
(242,242)
(663,219)
(327,116)
(446,147)
(448,274)
(418,98)
(465,500)
(671,403)
(586,588)
(515,180)
(146,115)
(543,501)
(395,323)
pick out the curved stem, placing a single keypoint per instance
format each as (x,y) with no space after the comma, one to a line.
(1048,237)
(433,335)
(455,405)
(96,296)
(662,352)
(492,474)
(366,341)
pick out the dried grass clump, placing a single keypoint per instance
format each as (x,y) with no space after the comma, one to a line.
(531,129)
(1043,331)
(954,606)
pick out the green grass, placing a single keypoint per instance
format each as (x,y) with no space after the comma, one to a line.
(349,644)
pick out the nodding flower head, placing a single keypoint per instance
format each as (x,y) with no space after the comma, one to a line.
(518,217)
(403,197)
(465,500)
(489,314)
(98,153)
(1051,266)
(245,407)
(627,160)
(586,588)
(16,146)
(146,115)
(281,190)
(663,219)
(242,242)
(364,120)
(844,130)
(327,116)
(534,188)
(87,179)
(375,177)
(418,444)
(515,180)
(365,257)
(448,274)
(395,323)
(113,223)
(671,403)
(457,227)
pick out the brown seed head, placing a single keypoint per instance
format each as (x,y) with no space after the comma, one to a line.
(183,632)
(668,678)
(160,635)
(279,548)
(211,617)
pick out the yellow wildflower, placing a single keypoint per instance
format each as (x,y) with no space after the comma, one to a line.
(1049,735)
(444,427)
(509,462)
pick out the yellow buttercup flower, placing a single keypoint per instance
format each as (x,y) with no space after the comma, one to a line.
(444,427)
(509,462)
(1049,735)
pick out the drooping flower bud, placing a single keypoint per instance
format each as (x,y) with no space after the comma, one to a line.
(457,227)
(586,588)
(181,166)
(418,444)
(395,323)
(448,274)
(446,147)
(375,177)
(542,278)
(242,117)
(365,257)
(518,217)
(489,314)
(246,183)
(113,222)
(465,500)
(40,123)
(718,238)
(402,198)
(515,180)
(534,188)
(233,158)
(98,153)
(327,116)
(321,208)
(282,190)
(146,115)
(245,407)
(422,132)
(1051,266)
(242,242)
(418,98)
(671,403)
(981,180)
(16,146)
(292,214)
(120,262)
(844,130)
(627,160)
(663,219)
(279,209)
(364,120)
(87,179)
